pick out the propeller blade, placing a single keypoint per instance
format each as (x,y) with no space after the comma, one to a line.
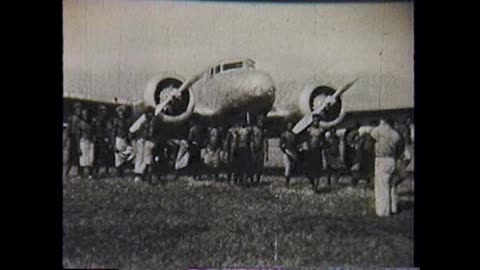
(344,89)
(303,123)
(138,124)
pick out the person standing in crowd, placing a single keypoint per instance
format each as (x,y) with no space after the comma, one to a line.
(387,150)
(242,160)
(313,155)
(259,146)
(195,140)
(145,144)
(66,150)
(366,154)
(406,130)
(411,147)
(333,163)
(211,153)
(404,159)
(74,137)
(230,151)
(340,135)
(351,138)
(403,127)
(120,137)
(86,148)
(222,137)
(288,145)
(103,145)
(411,126)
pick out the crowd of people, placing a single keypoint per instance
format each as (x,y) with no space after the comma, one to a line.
(379,153)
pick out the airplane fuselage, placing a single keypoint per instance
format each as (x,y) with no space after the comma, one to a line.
(234,93)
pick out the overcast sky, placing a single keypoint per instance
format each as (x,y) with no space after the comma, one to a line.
(112,48)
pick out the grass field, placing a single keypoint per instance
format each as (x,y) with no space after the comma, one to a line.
(114,222)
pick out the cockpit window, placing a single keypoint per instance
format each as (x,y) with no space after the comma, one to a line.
(232,66)
(217,69)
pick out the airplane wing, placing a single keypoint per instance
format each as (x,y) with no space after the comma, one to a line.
(276,120)
(134,107)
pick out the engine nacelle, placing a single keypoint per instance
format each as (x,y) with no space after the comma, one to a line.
(160,87)
(313,95)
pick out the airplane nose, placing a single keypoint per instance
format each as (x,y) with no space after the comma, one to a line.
(262,84)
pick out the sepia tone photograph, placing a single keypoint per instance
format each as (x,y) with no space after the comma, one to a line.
(238,135)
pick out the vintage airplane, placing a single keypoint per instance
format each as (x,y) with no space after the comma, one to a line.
(235,89)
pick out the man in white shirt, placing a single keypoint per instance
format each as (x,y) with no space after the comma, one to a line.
(387,150)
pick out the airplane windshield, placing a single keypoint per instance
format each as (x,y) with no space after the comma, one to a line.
(232,66)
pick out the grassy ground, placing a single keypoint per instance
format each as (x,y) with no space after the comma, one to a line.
(176,224)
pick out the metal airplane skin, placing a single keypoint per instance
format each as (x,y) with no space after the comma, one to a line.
(242,90)
(233,89)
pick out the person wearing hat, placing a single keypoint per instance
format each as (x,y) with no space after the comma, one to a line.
(102,141)
(313,155)
(145,144)
(122,149)
(72,126)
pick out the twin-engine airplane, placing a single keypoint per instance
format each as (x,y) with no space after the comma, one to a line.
(232,90)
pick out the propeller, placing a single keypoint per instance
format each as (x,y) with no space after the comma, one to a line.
(329,101)
(161,106)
